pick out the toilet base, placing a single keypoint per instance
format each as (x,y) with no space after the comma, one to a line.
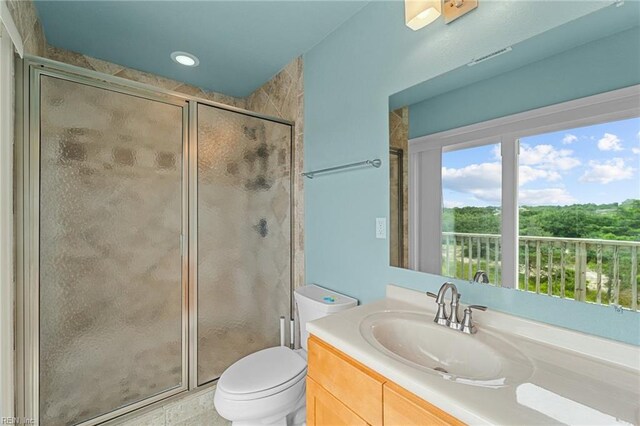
(296,418)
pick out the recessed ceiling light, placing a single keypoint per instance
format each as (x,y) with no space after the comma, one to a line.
(186,59)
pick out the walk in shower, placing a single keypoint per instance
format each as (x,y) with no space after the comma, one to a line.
(154,242)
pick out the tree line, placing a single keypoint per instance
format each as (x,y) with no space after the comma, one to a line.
(615,221)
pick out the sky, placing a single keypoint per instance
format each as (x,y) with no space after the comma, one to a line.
(595,164)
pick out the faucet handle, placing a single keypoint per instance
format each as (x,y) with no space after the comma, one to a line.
(431,294)
(467,321)
(479,307)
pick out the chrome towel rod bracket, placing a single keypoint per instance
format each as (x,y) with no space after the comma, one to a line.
(371,163)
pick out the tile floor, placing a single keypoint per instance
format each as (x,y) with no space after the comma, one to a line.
(192,410)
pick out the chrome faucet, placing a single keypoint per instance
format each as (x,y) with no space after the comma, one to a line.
(481,277)
(452,319)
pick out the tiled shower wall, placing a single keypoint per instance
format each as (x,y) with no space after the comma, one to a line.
(282,97)
(26,19)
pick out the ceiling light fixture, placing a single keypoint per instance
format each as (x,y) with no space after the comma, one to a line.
(420,13)
(186,59)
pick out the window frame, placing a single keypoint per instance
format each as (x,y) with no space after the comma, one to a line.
(425,164)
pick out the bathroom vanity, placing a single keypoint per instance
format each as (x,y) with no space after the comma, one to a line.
(388,363)
(342,391)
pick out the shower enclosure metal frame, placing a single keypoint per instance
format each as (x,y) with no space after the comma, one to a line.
(27,204)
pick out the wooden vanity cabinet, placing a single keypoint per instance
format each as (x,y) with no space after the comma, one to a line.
(401,407)
(325,409)
(342,391)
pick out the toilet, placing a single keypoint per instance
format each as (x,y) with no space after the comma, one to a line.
(268,387)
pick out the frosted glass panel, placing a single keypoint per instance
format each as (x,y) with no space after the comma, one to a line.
(243,236)
(110,260)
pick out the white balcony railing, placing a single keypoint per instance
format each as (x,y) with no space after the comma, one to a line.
(597,271)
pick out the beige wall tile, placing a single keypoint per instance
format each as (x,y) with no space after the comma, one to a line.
(26,19)
(283,97)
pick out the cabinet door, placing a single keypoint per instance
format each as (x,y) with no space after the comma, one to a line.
(323,409)
(402,408)
(353,384)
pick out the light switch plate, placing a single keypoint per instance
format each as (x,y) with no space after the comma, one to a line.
(381,228)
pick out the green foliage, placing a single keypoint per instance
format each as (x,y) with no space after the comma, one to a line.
(616,221)
(482,220)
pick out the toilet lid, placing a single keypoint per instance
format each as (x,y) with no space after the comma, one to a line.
(262,370)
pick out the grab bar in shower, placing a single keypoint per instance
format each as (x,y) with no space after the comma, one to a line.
(371,163)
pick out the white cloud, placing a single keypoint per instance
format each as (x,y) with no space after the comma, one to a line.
(569,139)
(491,195)
(635,150)
(544,197)
(547,157)
(607,171)
(609,142)
(483,180)
(528,174)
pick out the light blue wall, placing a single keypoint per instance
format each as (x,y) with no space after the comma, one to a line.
(596,67)
(348,79)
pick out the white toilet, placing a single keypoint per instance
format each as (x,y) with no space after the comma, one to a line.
(268,386)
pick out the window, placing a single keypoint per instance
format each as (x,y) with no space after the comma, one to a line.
(579,211)
(546,201)
(472,202)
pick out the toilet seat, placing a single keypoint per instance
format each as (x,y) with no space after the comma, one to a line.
(262,374)
(268,387)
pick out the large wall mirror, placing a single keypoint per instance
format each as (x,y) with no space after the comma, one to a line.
(521,169)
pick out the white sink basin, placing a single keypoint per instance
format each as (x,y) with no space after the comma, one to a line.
(482,359)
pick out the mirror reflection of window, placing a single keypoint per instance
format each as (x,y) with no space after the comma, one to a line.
(471,199)
(554,213)
(520,176)
(579,213)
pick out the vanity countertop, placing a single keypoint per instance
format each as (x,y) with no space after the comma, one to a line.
(576,378)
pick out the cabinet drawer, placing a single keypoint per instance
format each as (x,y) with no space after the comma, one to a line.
(323,409)
(347,380)
(402,408)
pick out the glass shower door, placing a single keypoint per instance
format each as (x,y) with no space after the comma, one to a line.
(243,236)
(111,293)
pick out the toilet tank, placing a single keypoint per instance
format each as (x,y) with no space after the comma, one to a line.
(315,302)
